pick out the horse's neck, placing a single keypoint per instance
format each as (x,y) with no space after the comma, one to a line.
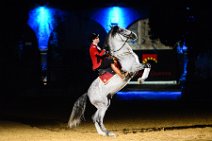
(122,49)
(128,59)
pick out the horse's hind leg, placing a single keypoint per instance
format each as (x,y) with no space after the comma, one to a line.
(98,124)
(98,119)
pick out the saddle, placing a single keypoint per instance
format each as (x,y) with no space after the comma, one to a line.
(106,74)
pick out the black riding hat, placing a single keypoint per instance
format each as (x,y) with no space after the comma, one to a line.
(93,36)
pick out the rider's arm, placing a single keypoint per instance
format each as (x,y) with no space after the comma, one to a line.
(97,53)
(102,53)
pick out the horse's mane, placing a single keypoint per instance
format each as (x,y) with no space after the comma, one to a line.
(112,32)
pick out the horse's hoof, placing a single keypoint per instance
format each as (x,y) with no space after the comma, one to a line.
(147,65)
(111,134)
(140,81)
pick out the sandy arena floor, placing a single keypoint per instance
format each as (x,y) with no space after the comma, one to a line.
(155,123)
(126,130)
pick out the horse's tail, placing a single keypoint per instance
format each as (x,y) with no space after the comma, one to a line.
(78,110)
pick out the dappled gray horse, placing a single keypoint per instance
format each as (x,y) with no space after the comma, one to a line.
(100,93)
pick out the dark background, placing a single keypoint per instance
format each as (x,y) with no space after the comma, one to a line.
(171,21)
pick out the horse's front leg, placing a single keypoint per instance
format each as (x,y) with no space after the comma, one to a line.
(147,68)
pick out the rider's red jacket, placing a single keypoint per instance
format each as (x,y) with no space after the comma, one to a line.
(96,54)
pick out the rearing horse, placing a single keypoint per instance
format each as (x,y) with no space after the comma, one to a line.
(119,48)
(100,93)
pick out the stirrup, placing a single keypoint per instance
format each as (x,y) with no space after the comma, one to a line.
(127,75)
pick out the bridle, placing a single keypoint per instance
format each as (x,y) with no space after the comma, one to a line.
(125,35)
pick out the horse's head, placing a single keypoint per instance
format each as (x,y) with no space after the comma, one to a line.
(124,34)
(118,38)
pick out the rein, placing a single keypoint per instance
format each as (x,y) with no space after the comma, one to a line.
(123,43)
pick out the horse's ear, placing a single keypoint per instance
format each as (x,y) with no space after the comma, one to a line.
(111,27)
(115,28)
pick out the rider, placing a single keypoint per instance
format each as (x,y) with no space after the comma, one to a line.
(100,58)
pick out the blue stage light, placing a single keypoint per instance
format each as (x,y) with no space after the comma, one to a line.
(42,22)
(115,15)
(149,95)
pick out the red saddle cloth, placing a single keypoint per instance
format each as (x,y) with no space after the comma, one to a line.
(106,77)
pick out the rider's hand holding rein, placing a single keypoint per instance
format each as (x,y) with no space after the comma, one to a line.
(107,53)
